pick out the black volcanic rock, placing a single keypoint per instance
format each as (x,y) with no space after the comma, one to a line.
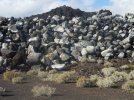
(66,11)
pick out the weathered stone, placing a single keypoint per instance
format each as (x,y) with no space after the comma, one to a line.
(105,52)
(64,56)
(90,49)
(84,51)
(121,55)
(59,66)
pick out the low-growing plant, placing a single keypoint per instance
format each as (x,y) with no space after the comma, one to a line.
(94,78)
(32,72)
(43,90)
(108,64)
(128,86)
(120,76)
(83,82)
(53,71)
(60,77)
(105,82)
(17,80)
(131,75)
(8,75)
(108,71)
(64,77)
(2,91)
(42,74)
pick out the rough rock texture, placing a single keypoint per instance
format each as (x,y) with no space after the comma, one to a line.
(65,36)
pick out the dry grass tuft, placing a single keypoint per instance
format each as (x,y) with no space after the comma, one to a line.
(8,75)
(131,75)
(2,91)
(83,82)
(128,86)
(105,82)
(108,71)
(59,77)
(32,72)
(94,78)
(43,90)
(16,80)
(42,74)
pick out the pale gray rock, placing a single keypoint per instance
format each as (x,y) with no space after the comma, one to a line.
(84,51)
(121,55)
(90,49)
(64,56)
(106,52)
(59,29)
(59,66)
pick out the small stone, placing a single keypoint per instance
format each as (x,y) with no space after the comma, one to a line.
(59,29)
(64,56)
(84,51)
(56,17)
(34,58)
(90,49)
(59,66)
(105,52)
(121,55)
(106,28)
(1,36)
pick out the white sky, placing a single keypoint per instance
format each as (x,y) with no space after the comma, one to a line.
(21,8)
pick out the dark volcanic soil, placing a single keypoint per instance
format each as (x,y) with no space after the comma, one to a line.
(63,92)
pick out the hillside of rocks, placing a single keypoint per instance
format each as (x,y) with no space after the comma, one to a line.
(65,36)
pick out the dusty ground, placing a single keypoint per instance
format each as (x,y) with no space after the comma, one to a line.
(63,92)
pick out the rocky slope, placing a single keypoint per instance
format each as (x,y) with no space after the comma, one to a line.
(65,36)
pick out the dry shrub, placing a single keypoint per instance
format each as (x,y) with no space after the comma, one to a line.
(128,86)
(118,76)
(83,82)
(60,77)
(8,75)
(43,90)
(105,82)
(108,71)
(32,72)
(108,64)
(94,78)
(53,71)
(131,75)
(64,77)
(2,91)
(17,80)
(42,74)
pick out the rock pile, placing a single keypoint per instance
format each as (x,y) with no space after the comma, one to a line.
(57,40)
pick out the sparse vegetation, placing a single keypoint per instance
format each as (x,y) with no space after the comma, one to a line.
(105,82)
(108,71)
(17,80)
(83,82)
(64,77)
(108,64)
(9,75)
(32,72)
(131,75)
(60,77)
(2,91)
(43,90)
(94,78)
(42,74)
(128,86)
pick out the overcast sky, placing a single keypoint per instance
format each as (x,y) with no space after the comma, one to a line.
(21,8)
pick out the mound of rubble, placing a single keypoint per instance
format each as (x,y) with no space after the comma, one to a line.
(65,36)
